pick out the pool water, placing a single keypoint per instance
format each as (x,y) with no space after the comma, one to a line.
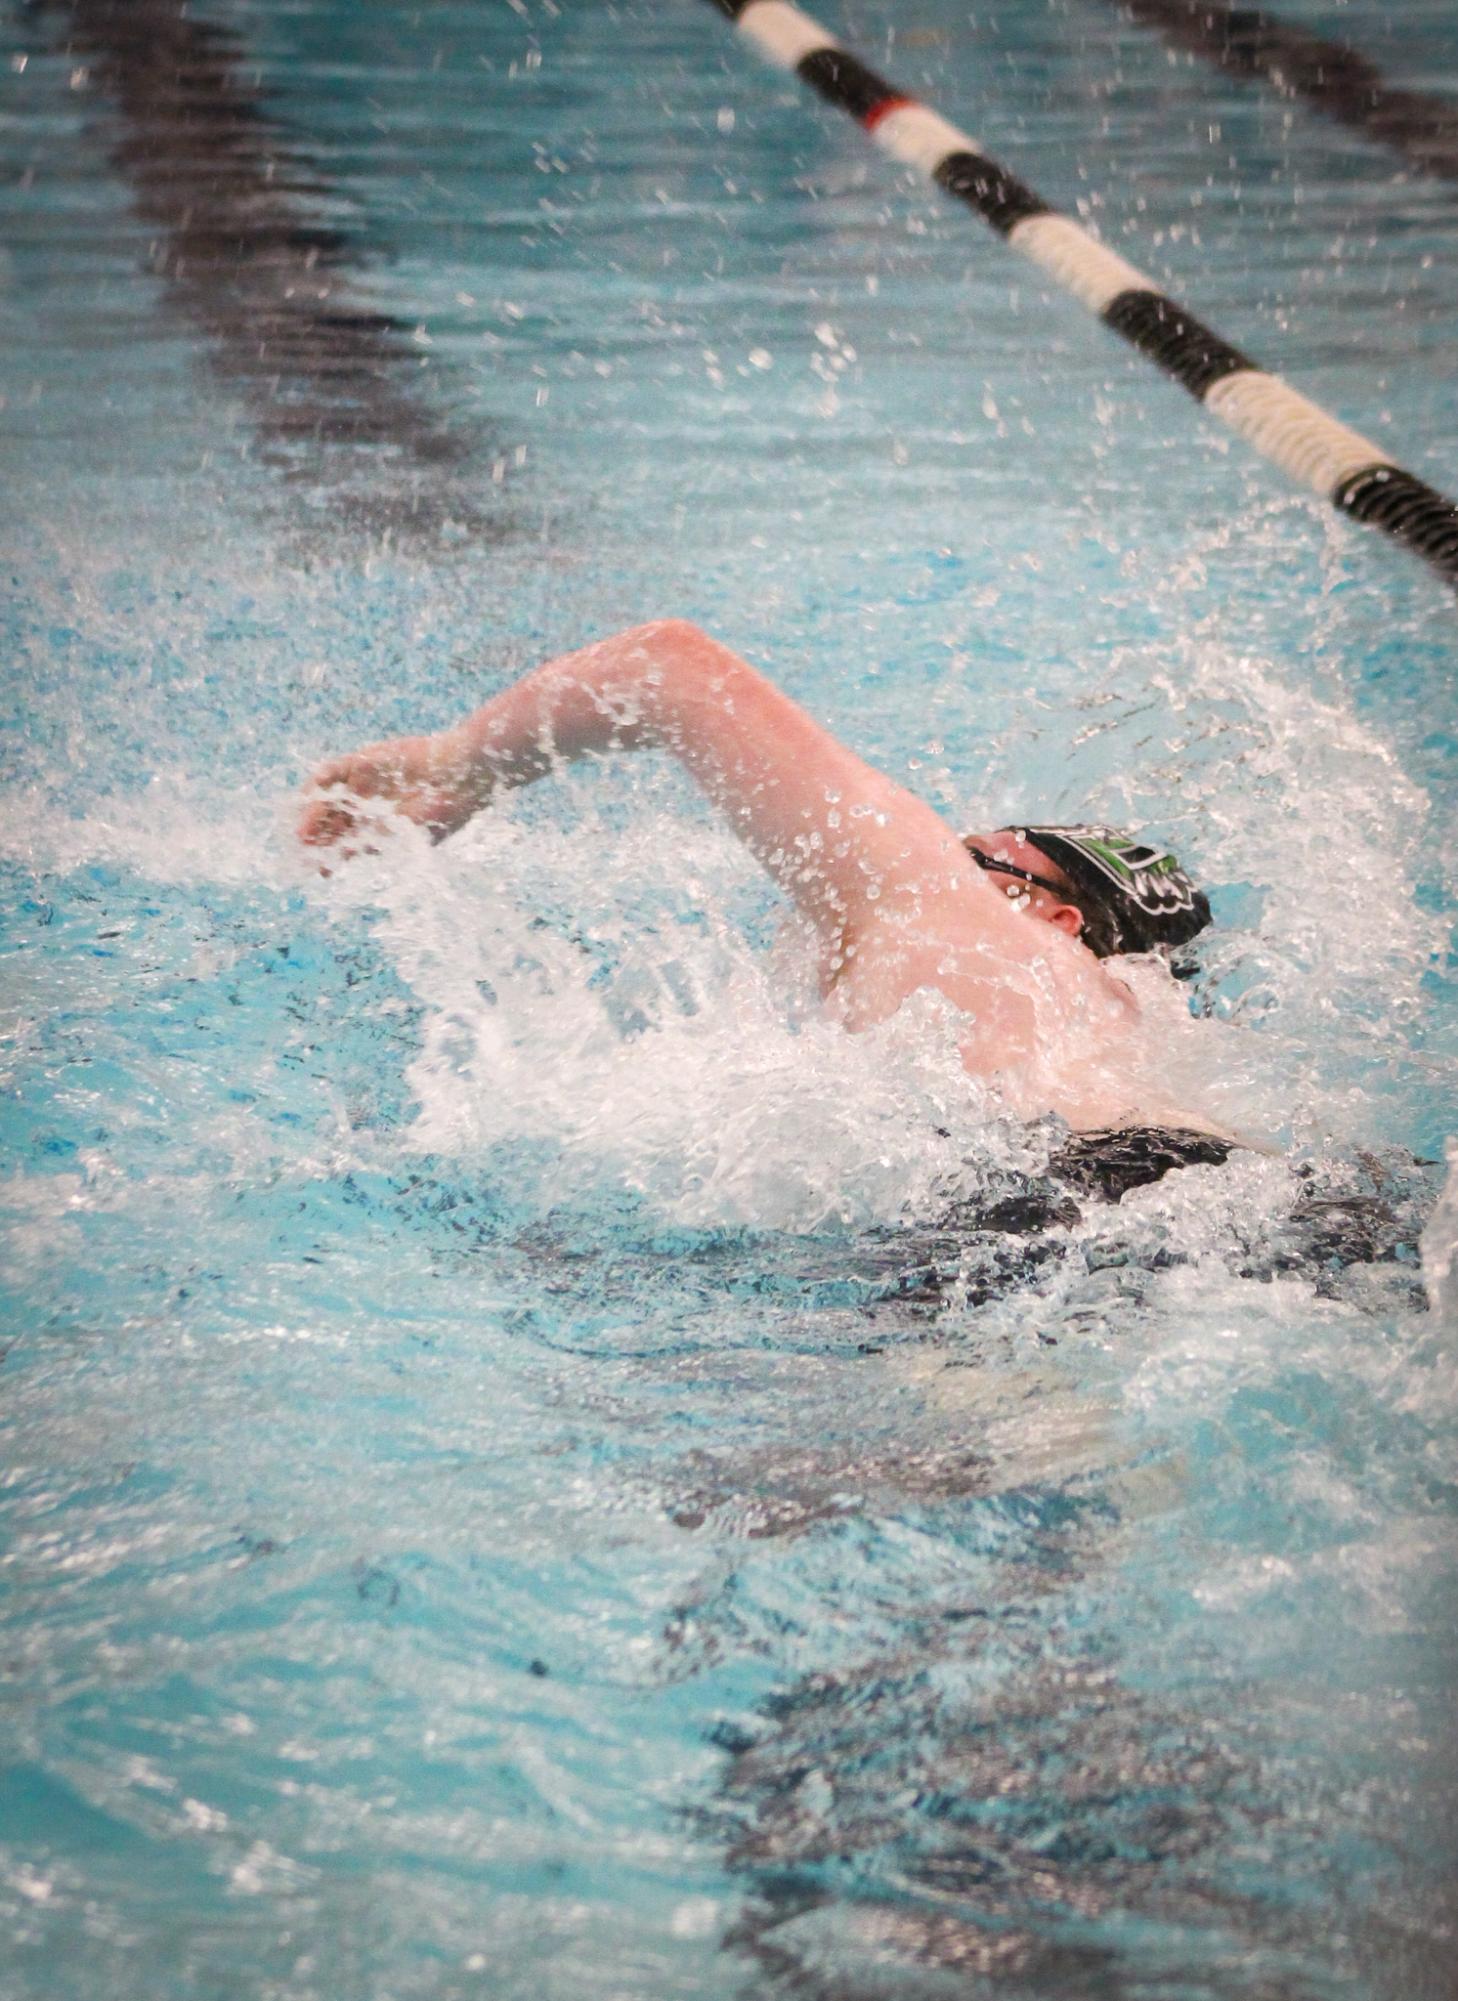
(511,1484)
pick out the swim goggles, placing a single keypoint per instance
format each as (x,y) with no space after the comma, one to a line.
(1134,896)
(995,866)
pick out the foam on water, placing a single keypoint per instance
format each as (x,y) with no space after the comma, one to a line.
(642,1035)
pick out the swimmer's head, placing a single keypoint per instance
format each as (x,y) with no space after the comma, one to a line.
(1115,892)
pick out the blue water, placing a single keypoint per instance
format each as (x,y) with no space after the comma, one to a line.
(490,1507)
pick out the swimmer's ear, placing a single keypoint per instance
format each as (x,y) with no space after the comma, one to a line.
(1067,916)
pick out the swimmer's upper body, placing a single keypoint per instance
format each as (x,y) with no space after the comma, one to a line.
(1013,927)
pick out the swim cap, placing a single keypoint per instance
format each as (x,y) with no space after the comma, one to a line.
(1133,895)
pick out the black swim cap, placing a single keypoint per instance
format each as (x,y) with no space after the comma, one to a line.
(1133,895)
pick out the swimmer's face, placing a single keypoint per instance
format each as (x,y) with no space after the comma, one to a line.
(1049,900)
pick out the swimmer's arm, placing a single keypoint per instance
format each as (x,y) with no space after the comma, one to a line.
(844,841)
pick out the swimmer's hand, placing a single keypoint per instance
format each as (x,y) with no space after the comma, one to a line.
(427,779)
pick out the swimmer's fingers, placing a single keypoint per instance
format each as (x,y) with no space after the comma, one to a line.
(326,823)
(422,779)
(322,821)
(379,770)
(331,823)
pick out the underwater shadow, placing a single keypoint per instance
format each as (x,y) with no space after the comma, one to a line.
(332,387)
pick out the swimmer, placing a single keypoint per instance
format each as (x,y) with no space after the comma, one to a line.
(1019,929)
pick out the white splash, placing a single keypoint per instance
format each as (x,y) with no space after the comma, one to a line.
(1440,1245)
(180,829)
(644,1039)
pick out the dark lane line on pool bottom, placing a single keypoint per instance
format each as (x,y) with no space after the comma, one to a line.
(327,380)
(978,1778)
(965,1771)
(1332,77)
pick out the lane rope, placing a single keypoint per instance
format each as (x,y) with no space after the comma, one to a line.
(1333,77)
(1325,456)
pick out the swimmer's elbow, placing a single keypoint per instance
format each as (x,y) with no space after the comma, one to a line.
(694,679)
(679,657)
(676,637)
